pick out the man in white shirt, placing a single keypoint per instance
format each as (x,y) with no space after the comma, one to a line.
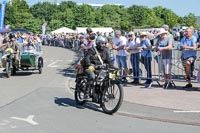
(132,47)
(119,45)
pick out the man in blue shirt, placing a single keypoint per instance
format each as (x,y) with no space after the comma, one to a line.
(146,57)
(189,46)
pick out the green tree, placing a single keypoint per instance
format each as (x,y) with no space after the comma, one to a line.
(167,16)
(190,20)
(83,16)
(34,25)
(54,24)
(100,18)
(112,14)
(71,15)
(64,5)
(18,14)
(66,18)
(142,16)
(44,10)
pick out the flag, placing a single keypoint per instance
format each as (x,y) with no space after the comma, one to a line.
(2,14)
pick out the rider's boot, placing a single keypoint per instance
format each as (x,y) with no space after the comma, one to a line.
(87,91)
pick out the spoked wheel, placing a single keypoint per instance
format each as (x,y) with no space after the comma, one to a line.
(40,70)
(79,92)
(40,65)
(71,85)
(13,71)
(112,98)
(8,69)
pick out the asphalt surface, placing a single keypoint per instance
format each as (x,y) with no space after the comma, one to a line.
(31,103)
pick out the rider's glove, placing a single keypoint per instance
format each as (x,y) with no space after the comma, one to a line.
(91,68)
(10,50)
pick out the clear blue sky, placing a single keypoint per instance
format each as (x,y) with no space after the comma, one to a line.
(180,7)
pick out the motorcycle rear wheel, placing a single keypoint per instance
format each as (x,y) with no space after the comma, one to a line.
(112,98)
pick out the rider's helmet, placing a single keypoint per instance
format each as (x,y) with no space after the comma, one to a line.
(11,36)
(101,42)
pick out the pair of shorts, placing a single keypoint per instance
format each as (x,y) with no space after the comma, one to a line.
(190,59)
(121,61)
(167,65)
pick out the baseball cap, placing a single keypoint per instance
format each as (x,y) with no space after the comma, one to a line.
(118,32)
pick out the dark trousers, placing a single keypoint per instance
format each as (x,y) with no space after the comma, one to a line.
(147,64)
(135,61)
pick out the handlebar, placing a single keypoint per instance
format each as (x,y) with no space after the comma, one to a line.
(100,67)
(106,66)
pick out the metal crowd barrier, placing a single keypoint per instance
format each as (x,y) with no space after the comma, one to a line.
(177,71)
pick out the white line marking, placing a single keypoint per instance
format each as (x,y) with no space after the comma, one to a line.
(59,60)
(187,111)
(13,126)
(52,65)
(4,123)
(29,119)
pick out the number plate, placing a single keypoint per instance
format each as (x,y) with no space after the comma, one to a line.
(112,76)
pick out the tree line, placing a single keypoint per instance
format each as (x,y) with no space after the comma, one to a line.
(69,14)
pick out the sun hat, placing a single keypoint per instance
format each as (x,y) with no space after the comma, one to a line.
(143,33)
(162,31)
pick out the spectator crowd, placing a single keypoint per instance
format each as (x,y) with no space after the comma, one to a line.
(134,47)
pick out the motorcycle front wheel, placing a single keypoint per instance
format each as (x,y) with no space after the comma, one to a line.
(8,69)
(112,98)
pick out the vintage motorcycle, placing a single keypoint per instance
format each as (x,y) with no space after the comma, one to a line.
(106,90)
(10,67)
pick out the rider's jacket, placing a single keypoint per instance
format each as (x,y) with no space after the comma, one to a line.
(91,57)
(12,45)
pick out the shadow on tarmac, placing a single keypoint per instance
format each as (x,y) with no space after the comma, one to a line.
(67,102)
(70,70)
(18,74)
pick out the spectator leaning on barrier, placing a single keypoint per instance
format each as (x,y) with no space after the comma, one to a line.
(192,64)
(151,37)
(146,57)
(166,27)
(132,47)
(119,44)
(164,46)
(189,46)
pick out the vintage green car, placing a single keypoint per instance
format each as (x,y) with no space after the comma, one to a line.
(31,61)
(28,60)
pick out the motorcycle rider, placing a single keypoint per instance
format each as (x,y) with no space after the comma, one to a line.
(104,51)
(94,56)
(10,46)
